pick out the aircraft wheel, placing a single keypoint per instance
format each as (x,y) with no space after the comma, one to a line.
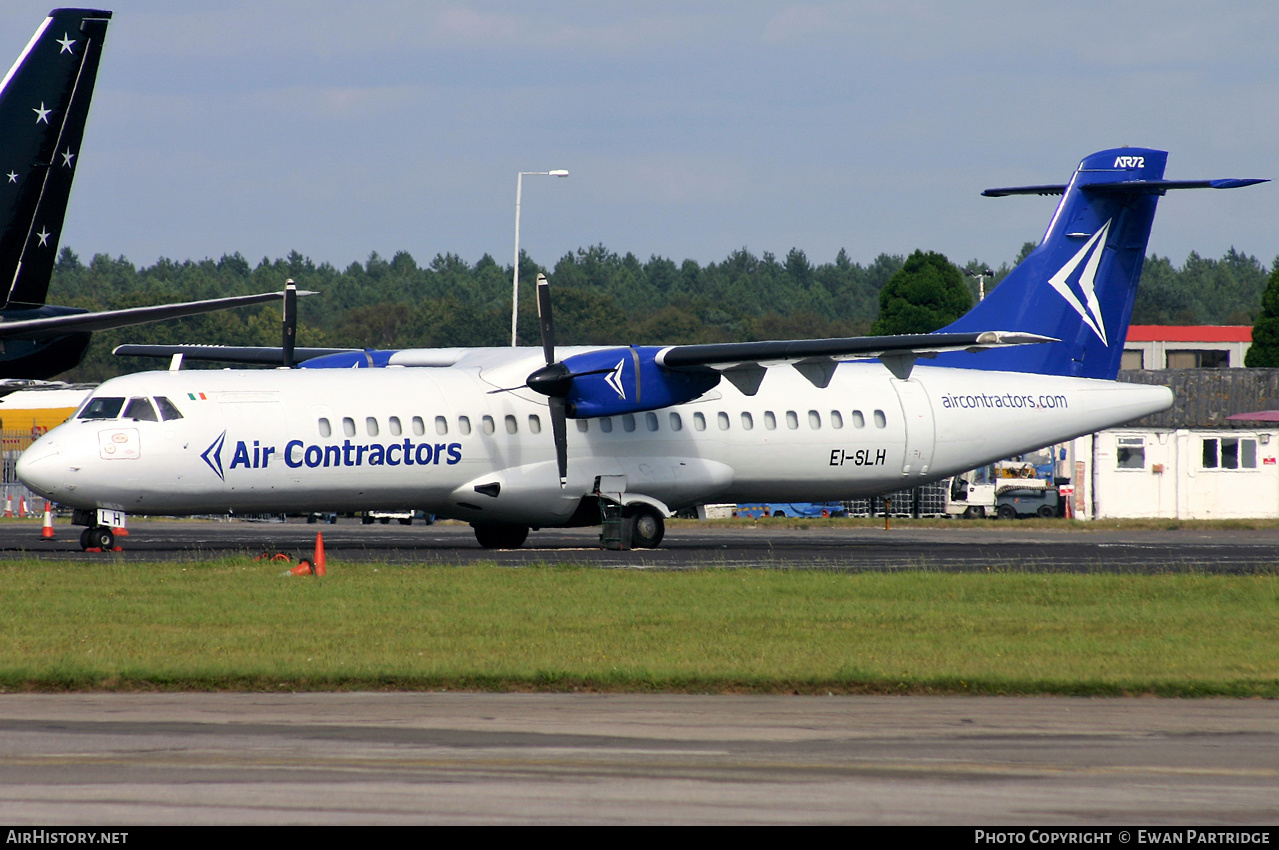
(97,537)
(647,527)
(1046,511)
(495,535)
(1007,512)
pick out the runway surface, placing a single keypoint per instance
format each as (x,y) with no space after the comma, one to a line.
(978,545)
(111,759)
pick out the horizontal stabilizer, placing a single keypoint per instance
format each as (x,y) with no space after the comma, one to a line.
(1147,187)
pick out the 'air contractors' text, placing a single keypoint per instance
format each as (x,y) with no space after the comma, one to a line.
(978,401)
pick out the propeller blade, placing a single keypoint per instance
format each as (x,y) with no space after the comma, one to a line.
(544,318)
(559,428)
(290,322)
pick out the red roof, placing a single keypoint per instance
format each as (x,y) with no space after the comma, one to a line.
(1189,333)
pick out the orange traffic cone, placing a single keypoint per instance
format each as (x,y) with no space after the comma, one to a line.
(8,506)
(319,554)
(47,531)
(120,531)
(303,568)
(22,506)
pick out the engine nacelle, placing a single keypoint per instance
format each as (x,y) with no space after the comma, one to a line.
(625,380)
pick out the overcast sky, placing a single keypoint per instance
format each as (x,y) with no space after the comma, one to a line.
(690,129)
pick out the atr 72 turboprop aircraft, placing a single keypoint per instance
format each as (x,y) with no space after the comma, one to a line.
(44,103)
(483,435)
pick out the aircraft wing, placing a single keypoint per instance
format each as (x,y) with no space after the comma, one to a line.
(108,319)
(250,355)
(727,355)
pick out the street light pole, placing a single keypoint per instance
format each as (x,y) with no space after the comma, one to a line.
(515,273)
(981,281)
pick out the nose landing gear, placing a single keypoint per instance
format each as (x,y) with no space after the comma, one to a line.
(97,537)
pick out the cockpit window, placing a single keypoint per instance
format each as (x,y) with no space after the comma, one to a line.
(102,408)
(167,410)
(140,409)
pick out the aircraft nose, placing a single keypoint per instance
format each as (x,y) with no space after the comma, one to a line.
(40,469)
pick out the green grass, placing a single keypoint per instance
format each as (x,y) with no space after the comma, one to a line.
(236,624)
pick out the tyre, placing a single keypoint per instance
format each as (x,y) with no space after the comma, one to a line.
(1007,512)
(407,521)
(366,519)
(647,527)
(97,537)
(974,512)
(1046,512)
(493,535)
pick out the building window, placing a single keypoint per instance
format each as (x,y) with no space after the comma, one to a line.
(1229,453)
(1133,358)
(1131,453)
(1199,359)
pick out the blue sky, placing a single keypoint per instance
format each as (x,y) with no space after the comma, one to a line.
(690,129)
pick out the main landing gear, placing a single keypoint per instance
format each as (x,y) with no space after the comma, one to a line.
(500,535)
(646,525)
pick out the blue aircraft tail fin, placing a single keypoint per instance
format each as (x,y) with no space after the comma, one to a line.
(44,101)
(1078,286)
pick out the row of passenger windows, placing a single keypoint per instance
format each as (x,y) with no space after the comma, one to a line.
(815,419)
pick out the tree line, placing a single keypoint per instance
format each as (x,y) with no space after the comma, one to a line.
(600,296)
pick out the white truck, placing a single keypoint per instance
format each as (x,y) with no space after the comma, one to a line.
(972,494)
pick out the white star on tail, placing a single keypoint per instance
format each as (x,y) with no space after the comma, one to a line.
(67,156)
(1091,314)
(13,176)
(44,235)
(66,41)
(42,114)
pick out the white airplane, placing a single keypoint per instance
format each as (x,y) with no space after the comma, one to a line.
(482,435)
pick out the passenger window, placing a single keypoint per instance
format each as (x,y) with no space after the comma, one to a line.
(836,419)
(141,409)
(348,426)
(606,424)
(419,427)
(722,418)
(792,420)
(814,420)
(487,425)
(628,422)
(441,425)
(859,421)
(102,408)
(394,424)
(881,421)
(770,421)
(370,426)
(511,425)
(650,421)
(167,410)
(699,422)
(534,424)
(583,425)
(464,424)
(326,430)
(677,424)
(748,421)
